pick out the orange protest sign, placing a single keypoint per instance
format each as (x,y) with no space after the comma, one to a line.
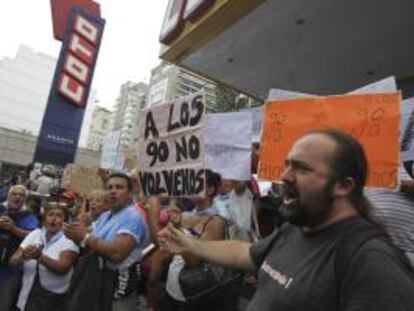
(373,119)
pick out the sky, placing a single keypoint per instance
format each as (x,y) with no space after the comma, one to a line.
(129,48)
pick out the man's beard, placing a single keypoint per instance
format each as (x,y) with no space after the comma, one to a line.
(309,211)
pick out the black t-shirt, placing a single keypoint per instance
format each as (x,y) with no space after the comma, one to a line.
(297,272)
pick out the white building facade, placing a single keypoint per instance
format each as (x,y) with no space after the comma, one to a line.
(25,83)
(131,100)
(24,88)
(99,128)
(169,82)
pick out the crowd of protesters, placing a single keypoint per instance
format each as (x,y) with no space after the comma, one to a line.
(115,249)
(62,251)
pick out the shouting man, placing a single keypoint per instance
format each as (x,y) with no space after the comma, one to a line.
(329,255)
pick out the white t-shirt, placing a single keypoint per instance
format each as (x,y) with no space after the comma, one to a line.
(222,202)
(241,209)
(53,282)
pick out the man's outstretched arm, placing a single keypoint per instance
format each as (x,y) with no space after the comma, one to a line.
(234,254)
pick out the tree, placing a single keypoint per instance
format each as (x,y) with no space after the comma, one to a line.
(227,99)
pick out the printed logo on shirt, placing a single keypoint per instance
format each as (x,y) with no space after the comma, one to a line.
(126,281)
(280,278)
(123,279)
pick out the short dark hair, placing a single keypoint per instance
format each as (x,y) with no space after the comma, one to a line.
(123,176)
(349,160)
(213,180)
(185,204)
(48,206)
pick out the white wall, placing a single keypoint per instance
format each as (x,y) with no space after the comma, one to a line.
(24,88)
(25,83)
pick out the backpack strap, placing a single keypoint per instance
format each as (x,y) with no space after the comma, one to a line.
(349,245)
(346,249)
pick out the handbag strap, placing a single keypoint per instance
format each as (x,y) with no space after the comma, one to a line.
(37,271)
(256,230)
(199,234)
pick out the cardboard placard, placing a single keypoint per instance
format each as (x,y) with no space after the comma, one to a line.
(171,148)
(81,179)
(373,119)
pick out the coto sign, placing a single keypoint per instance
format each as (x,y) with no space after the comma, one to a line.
(178,11)
(76,73)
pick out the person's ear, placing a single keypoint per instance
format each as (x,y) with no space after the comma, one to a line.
(210,191)
(344,187)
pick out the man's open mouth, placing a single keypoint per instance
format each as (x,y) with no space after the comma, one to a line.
(289,194)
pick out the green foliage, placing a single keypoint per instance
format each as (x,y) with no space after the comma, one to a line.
(227,99)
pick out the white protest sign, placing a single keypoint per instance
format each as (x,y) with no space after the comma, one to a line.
(387,85)
(279,94)
(407,130)
(110,157)
(257,119)
(229,144)
(171,148)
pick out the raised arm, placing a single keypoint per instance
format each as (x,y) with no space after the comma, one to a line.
(232,254)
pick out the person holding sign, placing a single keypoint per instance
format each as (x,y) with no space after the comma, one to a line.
(329,256)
